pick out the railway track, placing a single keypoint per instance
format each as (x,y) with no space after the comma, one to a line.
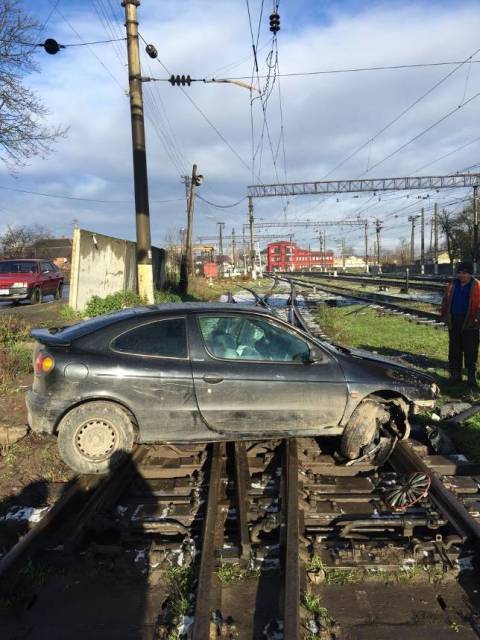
(423,284)
(380,300)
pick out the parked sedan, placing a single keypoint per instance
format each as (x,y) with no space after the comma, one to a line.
(25,279)
(207,372)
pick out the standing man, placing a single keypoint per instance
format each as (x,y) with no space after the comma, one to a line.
(461,312)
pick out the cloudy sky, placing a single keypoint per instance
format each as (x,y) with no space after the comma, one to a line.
(305,127)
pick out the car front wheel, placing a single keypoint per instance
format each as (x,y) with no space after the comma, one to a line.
(36,296)
(370,433)
(95,437)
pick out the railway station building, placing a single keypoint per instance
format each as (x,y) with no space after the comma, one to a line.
(288,256)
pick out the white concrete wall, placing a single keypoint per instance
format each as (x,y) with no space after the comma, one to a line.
(100,265)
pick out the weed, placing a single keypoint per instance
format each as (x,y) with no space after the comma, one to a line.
(454,626)
(69,314)
(312,604)
(332,575)
(162,297)
(315,564)
(233,573)
(181,581)
(13,329)
(15,359)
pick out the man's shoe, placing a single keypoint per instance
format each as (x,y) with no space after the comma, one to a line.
(455,377)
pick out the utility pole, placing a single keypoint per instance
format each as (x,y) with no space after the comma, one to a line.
(234,249)
(221,225)
(378,228)
(435,238)
(366,247)
(422,241)
(320,240)
(325,249)
(140,178)
(343,253)
(413,220)
(195,181)
(475,230)
(252,246)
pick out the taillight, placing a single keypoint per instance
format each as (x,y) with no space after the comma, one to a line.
(44,363)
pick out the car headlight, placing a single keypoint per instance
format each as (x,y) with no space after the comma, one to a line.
(19,284)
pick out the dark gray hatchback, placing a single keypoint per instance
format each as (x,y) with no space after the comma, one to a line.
(206,372)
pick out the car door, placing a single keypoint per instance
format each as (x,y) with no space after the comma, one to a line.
(147,367)
(56,276)
(252,376)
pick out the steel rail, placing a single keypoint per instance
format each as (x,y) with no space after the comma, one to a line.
(291,590)
(210,541)
(405,460)
(242,485)
(370,298)
(397,282)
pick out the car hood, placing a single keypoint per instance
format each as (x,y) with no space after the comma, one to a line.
(17,277)
(364,366)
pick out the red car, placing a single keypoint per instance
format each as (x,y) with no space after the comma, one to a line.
(22,279)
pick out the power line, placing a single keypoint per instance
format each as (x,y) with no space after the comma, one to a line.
(64,197)
(63,46)
(221,206)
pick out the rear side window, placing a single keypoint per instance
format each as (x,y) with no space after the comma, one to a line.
(165,338)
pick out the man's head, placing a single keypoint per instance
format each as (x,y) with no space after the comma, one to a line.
(464,272)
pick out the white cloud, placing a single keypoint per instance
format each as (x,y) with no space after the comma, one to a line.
(325,117)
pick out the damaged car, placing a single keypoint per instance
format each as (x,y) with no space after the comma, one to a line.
(198,372)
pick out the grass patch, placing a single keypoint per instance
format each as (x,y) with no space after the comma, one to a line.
(15,360)
(233,573)
(467,437)
(362,327)
(68,314)
(13,329)
(181,581)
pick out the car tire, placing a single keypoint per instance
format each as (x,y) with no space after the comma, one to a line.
(362,429)
(59,292)
(36,296)
(95,437)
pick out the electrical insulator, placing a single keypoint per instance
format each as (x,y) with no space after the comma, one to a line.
(51,46)
(180,80)
(151,51)
(274,22)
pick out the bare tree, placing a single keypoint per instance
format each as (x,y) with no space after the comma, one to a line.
(22,131)
(16,241)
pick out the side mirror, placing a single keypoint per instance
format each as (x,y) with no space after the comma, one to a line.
(314,355)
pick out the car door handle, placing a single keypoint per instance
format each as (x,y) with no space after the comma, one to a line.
(213,379)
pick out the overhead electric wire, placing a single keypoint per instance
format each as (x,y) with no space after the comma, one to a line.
(446,155)
(400,115)
(64,197)
(220,206)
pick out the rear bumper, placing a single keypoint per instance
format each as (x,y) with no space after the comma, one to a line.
(43,414)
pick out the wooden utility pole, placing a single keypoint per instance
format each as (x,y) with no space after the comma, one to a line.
(221,225)
(140,178)
(195,181)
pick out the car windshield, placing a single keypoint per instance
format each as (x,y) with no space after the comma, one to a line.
(18,266)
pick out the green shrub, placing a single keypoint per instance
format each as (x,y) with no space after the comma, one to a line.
(69,314)
(97,306)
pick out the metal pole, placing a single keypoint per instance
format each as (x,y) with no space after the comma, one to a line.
(252,240)
(435,238)
(325,249)
(343,253)
(191,205)
(475,230)
(140,178)
(422,241)
(234,249)
(412,219)
(366,247)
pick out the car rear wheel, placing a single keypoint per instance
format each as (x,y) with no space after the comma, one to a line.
(59,292)
(369,434)
(36,296)
(95,437)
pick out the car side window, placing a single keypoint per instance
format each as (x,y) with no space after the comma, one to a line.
(45,267)
(251,338)
(165,338)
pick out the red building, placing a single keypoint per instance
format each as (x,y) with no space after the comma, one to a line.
(288,256)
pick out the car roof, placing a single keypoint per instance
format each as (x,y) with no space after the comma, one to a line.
(66,335)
